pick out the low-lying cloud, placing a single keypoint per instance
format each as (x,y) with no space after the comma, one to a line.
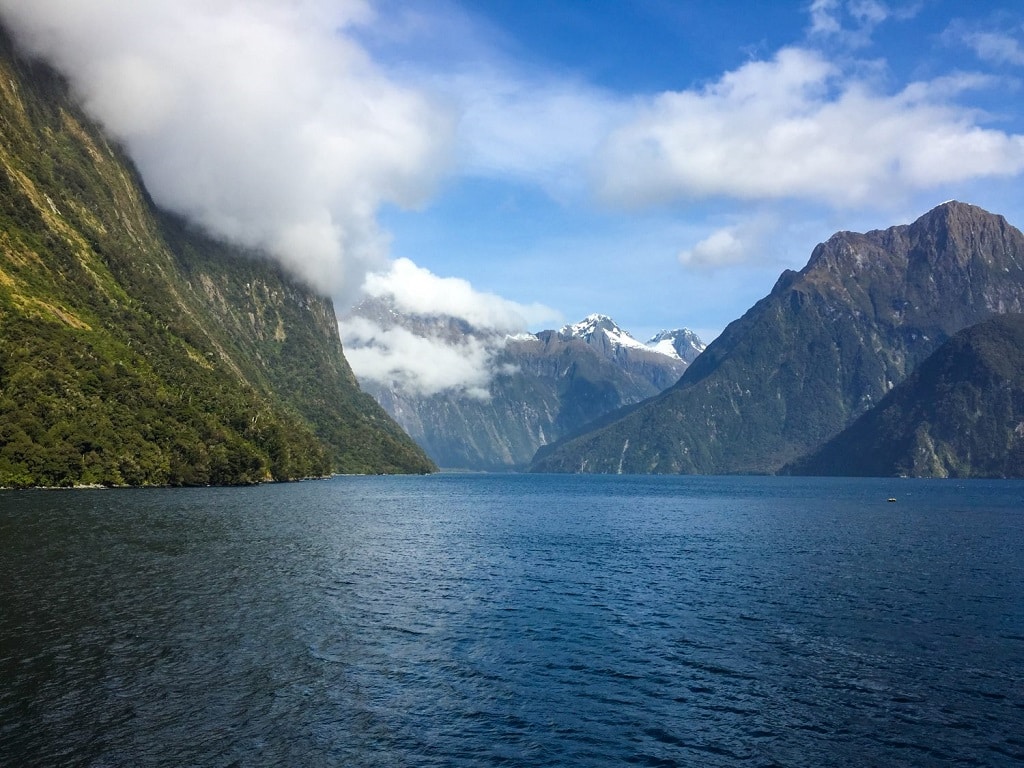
(260,120)
(417,291)
(419,365)
(416,352)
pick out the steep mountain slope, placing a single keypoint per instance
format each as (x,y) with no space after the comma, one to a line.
(824,346)
(136,351)
(546,385)
(959,414)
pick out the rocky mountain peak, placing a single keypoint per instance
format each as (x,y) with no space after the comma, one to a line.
(600,331)
(825,346)
(588,326)
(681,341)
(948,236)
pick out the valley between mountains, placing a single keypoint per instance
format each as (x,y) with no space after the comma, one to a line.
(830,348)
(136,350)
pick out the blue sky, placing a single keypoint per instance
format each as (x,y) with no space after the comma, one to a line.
(522,164)
(545,234)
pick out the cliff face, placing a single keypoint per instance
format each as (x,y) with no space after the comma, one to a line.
(825,346)
(959,414)
(134,350)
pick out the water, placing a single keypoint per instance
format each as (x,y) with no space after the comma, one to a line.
(515,620)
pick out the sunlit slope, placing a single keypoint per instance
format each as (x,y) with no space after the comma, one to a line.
(135,351)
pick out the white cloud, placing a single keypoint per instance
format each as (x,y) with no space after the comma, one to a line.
(824,17)
(431,360)
(852,22)
(261,120)
(723,247)
(740,243)
(997,47)
(418,365)
(795,127)
(416,290)
(539,130)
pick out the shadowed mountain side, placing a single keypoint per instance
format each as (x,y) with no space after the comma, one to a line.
(959,414)
(822,348)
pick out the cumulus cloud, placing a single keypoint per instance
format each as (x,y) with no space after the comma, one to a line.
(426,358)
(739,243)
(261,120)
(796,127)
(415,290)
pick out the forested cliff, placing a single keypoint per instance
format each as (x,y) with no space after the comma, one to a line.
(135,350)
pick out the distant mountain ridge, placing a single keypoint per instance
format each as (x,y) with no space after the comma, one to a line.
(822,348)
(544,385)
(601,330)
(959,414)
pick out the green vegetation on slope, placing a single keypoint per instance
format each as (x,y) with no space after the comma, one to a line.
(960,414)
(135,351)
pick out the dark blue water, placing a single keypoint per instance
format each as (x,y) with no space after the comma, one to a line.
(515,620)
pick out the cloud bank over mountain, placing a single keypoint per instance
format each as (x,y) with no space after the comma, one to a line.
(417,291)
(262,121)
(298,126)
(428,359)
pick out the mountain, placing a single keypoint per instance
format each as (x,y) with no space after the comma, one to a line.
(135,350)
(545,385)
(822,348)
(601,332)
(681,341)
(959,414)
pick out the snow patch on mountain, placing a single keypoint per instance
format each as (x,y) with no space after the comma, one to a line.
(665,347)
(681,344)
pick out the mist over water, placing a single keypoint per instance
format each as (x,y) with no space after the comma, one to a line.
(515,620)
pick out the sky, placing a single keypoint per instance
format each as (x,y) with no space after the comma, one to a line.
(658,161)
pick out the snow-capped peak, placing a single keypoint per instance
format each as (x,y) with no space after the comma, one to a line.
(597,328)
(681,342)
(588,326)
(592,325)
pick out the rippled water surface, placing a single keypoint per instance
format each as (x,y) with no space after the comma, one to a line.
(515,620)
